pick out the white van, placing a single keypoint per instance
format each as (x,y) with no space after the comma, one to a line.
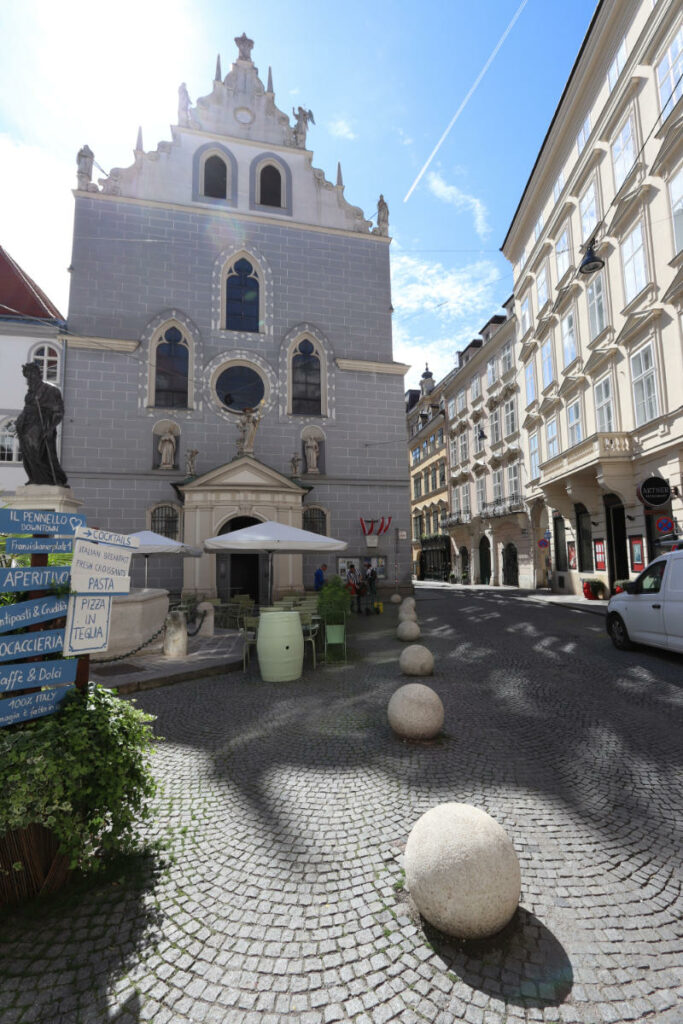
(650,609)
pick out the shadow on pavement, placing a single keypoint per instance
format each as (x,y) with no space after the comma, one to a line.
(524,964)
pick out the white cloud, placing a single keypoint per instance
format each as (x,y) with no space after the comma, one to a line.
(461,201)
(341,129)
(425,286)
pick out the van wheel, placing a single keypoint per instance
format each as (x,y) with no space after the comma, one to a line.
(618,632)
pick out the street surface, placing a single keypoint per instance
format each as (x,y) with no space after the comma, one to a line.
(288,807)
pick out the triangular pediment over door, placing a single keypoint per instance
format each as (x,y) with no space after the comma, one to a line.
(242,488)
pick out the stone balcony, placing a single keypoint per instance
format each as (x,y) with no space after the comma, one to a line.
(598,448)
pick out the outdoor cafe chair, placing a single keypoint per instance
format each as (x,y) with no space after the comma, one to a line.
(249,633)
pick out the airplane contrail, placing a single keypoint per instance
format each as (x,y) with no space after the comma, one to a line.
(464,103)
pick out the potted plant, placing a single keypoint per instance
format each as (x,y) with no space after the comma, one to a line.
(594,590)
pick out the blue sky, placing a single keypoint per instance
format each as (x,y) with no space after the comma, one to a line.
(383,80)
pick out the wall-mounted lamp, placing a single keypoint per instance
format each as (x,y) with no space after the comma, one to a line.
(631,519)
(590,262)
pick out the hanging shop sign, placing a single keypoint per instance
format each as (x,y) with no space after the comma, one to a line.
(654,492)
(25,520)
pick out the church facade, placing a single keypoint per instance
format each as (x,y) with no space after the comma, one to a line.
(229,351)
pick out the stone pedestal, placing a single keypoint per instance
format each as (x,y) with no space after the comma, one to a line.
(175,639)
(135,617)
(207,610)
(43,496)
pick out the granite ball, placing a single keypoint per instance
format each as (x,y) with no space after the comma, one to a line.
(407,614)
(416,660)
(408,630)
(408,602)
(395,598)
(462,871)
(415,712)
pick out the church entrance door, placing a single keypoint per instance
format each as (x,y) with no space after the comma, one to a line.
(241,572)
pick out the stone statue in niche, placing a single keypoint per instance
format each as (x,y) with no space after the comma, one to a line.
(84,162)
(382,216)
(37,429)
(244,46)
(184,104)
(312,449)
(301,126)
(166,448)
(295,462)
(190,460)
(247,426)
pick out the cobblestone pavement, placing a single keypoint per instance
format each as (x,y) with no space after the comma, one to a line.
(288,808)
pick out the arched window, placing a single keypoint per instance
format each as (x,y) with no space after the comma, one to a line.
(270,186)
(242,297)
(47,358)
(315,520)
(306,390)
(165,520)
(172,370)
(215,178)
(9,442)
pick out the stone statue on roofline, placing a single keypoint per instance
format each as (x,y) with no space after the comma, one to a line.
(247,425)
(184,104)
(302,118)
(36,427)
(84,162)
(244,46)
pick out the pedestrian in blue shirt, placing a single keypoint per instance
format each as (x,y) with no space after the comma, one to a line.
(319,577)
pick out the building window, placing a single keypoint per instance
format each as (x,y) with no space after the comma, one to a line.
(558,186)
(497,480)
(574,423)
(451,408)
(534,457)
(542,287)
(9,442)
(491,372)
(644,380)
(165,520)
(455,499)
(676,193)
(270,186)
(562,254)
(433,481)
(595,294)
(171,358)
(604,410)
(530,381)
(623,153)
(552,441)
(588,209)
(481,493)
(513,482)
(494,421)
(464,453)
(584,133)
(242,297)
(461,400)
(454,451)
(215,178)
(315,520)
(525,315)
(416,455)
(439,437)
(425,481)
(669,74)
(240,387)
(568,339)
(417,487)
(47,358)
(506,357)
(476,381)
(634,263)
(547,370)
(465,499)
(538,228)
(510,417)
(306,380)
(617,65)
(417,527)
(442,474)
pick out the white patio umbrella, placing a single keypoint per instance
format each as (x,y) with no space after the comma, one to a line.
(273,538)
(155,544)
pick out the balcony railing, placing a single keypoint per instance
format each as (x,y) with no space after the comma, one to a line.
(504,506)
(459,518)
(597,448)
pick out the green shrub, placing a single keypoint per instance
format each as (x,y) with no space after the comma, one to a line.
(83,773)
(334,600)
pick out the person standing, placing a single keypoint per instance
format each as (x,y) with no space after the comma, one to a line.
(355,584)
(319,577)
(370,580)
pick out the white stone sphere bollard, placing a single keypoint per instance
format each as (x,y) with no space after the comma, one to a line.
(395,599)
(415,711)
(462,871)
(416,660)
(408,630)
(408,602)
(407,614)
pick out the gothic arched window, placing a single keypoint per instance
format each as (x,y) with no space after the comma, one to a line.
(172,366)
(242,297)
(270,186)
(306,380)
(215,178)
(47,358)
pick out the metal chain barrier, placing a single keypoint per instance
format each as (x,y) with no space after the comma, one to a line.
(121,657)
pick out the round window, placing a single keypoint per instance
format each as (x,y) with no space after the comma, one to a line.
(239,388)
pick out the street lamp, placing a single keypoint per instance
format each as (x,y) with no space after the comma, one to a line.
(590,262)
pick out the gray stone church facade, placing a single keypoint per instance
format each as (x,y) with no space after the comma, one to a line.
(229,355)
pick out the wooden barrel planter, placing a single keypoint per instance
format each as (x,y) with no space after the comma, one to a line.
(44,869)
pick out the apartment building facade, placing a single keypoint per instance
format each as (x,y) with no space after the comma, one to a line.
(428,457)
(596,245)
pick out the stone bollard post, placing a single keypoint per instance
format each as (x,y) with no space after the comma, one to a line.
(206,628)
(175,635)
